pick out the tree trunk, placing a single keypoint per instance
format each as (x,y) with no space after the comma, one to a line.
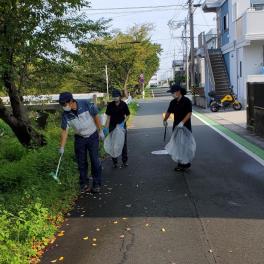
(126,83)
(18,119)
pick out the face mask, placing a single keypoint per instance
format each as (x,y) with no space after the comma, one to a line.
(116,99)
(66,108)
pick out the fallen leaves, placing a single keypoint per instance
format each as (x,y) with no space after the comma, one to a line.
(163,229)
(86,238)
(122,236)
(61,234)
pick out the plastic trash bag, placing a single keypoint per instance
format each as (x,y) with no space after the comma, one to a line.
(114,142)
(182,146)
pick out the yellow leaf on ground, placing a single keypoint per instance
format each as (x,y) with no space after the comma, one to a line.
(54,261)
(115,222)
(163,229)
(94,239)
(147,225)
(94,245)
(97,229)
(61,258)
(86,238)
(61,234)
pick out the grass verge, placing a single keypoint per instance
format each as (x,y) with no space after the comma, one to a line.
(32,204)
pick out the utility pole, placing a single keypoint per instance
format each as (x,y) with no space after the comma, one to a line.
(185,54)
(190,3)
(107,81)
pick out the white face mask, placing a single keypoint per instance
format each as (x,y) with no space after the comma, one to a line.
(116,99)
(66,108)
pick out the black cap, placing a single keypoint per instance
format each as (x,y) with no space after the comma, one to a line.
(65,98)
(116,93)
(174,88)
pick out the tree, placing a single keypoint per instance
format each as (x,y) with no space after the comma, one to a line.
(127,56)
(33,39)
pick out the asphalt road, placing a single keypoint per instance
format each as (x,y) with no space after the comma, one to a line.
(149,214)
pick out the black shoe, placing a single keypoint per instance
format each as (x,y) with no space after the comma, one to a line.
(124,165)
(115,165)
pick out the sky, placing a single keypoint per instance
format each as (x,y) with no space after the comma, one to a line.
(171,46)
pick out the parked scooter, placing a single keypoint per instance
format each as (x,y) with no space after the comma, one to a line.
(228,100)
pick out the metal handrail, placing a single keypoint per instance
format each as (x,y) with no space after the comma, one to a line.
(207,58)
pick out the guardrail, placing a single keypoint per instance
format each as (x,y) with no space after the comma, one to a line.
(51,98)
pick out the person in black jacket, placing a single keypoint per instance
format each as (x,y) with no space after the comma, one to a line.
(117,115)
(181,107)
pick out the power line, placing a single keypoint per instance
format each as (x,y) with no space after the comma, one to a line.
(131,7)
(130,12)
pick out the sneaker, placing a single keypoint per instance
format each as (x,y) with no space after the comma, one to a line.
(124,165)
(179,169)
(96,190)
(85,188)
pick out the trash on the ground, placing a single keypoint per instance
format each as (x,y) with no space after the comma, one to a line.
(129,205)
(115,222)
(147,225)
(94,245)
(163,229)
(160,152)
(61,258)
(97,229)
(128,229)
(54,261)
(86,238)
(182,146)
(122,236)
(210,250)
(94,239)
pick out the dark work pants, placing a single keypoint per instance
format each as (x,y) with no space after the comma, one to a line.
(83,146)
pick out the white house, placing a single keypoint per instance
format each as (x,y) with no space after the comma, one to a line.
(240,33)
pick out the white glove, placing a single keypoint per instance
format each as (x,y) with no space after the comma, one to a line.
(165,123)
(61,150)
(102,135)
(180,125)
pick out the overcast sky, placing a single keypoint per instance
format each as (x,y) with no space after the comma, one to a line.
(160,18)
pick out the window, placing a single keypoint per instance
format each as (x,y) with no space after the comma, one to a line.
(226,22)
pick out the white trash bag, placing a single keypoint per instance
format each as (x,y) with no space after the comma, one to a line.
(182,146)
(114,142)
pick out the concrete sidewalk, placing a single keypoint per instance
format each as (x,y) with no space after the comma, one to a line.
(236,121)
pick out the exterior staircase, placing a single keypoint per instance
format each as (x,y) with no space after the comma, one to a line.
(221,78)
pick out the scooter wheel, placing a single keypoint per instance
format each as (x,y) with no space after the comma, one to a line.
(237,106)
(214,107)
